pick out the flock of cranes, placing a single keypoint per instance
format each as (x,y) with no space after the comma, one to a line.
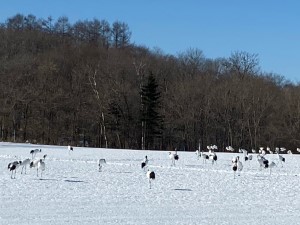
(236,162)
(35,162)
(210,155)
(261,159)
(38,163)
(262,150)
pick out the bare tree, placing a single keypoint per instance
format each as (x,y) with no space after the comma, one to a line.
(120,34)
(62,26)
(94,86)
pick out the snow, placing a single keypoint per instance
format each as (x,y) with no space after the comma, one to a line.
(72,191)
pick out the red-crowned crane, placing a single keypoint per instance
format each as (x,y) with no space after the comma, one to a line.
(229,148)
(263,162)
(213,157)
(101,162)
(281,159)
(204,157)
(39,164)
(144,163)
(41,167)
(70,148)
(24,163)
(269,150)
(13,166)
(211,153)
(34,152)
(173,156)
(234,168)
(282,149)
(246,155)
(151,176)
(261,151)
(237,165)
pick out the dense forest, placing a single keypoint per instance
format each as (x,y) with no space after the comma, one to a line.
(86,84)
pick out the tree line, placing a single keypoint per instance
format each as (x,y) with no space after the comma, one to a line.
(86,84)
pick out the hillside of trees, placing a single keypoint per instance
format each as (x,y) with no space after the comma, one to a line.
(86,84)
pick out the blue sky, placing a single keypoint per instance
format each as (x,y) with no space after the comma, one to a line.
(269,28)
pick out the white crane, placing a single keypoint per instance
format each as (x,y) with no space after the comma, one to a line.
(211,153)
(214,147)
(151,176)
(261,151)
(144,163)
(24,163)
(34,152)
(237,165)
(213,157)
(263,162)
(269,150)
(229,148)
(40,167)
(204,157)
(173,156)
(13,166)
(39,164)
(70,148)
(101,162)
(234,168)
(246,156)
(282,149)
(281,159)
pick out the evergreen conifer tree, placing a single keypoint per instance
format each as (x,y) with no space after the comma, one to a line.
(150,115)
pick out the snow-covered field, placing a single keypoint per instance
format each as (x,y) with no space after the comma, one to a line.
(72,191)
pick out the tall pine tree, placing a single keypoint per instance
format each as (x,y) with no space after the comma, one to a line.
(152,122)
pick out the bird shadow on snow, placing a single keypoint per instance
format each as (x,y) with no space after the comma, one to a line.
(45,179)
(67,180)
(75,181)
(182,189)
(121,172)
